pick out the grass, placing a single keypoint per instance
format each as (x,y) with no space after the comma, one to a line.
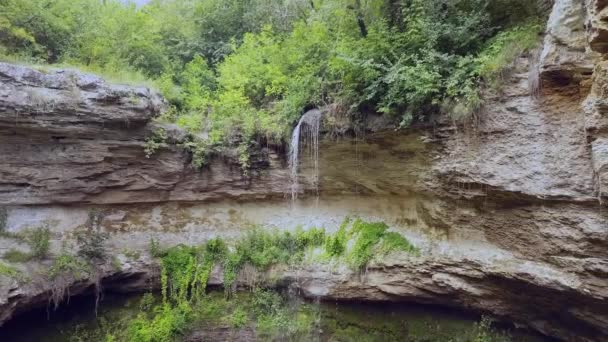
(9,271)
(504,49)
(16,256)
(38,240)
(118,75)
(491,66)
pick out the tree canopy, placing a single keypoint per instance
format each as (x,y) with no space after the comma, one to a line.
(240,72)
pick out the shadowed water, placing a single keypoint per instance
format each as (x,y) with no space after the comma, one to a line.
(304,321)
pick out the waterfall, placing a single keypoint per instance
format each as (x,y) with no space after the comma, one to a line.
(307,133)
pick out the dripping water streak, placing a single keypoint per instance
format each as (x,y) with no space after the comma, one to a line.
(307,130)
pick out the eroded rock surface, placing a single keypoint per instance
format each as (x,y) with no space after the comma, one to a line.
(509,215)
(565,59)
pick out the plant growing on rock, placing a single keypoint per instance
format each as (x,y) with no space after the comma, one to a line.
(15,255)
(92,246)
(9,271)
(39,240)
(66,268)
(155,141)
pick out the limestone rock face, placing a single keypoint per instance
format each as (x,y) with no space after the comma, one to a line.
(596,105)
(509,215)
(597,25)
(70,101)
(565,59)
(523,146)
(69,137)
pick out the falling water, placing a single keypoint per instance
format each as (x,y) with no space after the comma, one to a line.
(307,132)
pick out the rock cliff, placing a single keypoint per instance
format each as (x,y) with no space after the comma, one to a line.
(508,213)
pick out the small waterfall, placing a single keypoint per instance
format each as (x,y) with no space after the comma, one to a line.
(306,133)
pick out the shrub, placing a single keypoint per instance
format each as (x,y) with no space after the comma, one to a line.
(39,241)
(68,265)
(239,318)
(162,327)
(155,141)
(155,249)
(91,245)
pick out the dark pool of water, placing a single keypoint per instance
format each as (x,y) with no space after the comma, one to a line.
(332,322)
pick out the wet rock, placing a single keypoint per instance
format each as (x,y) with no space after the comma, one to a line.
(522,147)
(222,333)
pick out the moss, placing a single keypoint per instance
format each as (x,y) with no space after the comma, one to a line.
(335,245)
(9,271)
(185,271)
(392,242)
(14,255)
(131,254)
(367,236)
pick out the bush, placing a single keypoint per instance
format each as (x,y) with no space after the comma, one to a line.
(91,245)
(39,241)
(68,265)
(155,249)
(239,318)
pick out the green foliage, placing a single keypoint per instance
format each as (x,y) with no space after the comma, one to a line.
(392,241)
(153,143)
(504,48)
(147,302)
(368,235)
(14,255)
(239,318)
(240,73)
(9,271)
(165,323)
(484,331)
(335,245)
(68,264)
(39,240)
(92,245)
(155,249)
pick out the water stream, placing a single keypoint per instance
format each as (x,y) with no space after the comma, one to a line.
(306,134)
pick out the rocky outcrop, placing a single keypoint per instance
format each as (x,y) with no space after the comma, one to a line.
(508,214)
(595,105)
(523,147)
(565,59)
(35,290)
(597,25)
(69,137)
